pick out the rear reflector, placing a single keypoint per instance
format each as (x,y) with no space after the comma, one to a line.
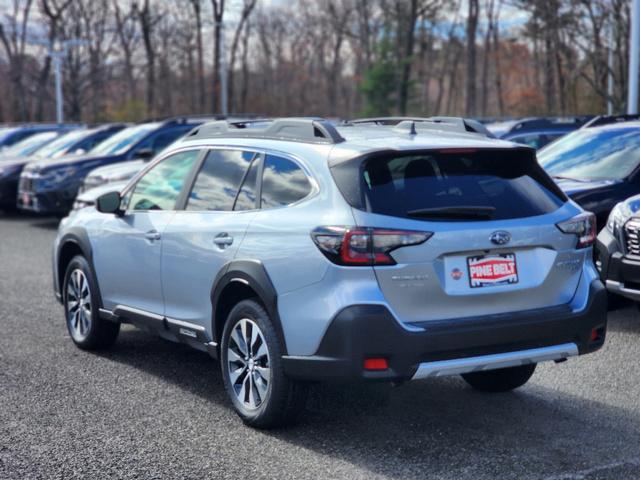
(376,364)
(596,334)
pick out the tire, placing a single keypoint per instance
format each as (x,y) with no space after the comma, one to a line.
(87,330)
(261,394)
(501,380)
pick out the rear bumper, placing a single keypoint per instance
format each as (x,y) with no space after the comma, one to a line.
(621,273)
(450,346)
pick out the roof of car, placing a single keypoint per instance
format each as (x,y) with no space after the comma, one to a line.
(617,126)
(345,141)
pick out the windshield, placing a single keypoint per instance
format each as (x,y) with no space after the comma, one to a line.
(593,154)
(61,145)
(122,141)
(5,132)
(29,144)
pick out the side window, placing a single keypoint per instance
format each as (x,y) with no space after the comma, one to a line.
(218,181)
(88,143)
(166,138)
(248,192)
(160,187)
(283,182)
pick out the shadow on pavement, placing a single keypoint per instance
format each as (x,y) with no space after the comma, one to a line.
(440,426)
(38,221)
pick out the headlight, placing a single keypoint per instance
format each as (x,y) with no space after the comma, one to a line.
(622,212)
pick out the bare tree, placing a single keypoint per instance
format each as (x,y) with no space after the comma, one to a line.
(218,15)
(13,36)
(472,26)
(148,21)
(127,34)
(197,11)
(247,8)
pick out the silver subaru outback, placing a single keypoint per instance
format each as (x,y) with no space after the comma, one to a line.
(296,251)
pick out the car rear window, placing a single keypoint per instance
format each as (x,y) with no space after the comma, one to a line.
(458,185)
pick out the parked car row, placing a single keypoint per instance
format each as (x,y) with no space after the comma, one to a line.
(43,167)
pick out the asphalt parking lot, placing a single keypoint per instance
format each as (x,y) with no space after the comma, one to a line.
(152,409)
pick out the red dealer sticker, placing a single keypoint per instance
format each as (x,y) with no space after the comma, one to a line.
(490,270)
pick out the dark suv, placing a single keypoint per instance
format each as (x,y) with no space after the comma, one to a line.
(9,136)
(598,165)
(50,187)
(74,142)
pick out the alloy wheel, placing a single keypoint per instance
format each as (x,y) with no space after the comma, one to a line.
(78,300)
(248,364)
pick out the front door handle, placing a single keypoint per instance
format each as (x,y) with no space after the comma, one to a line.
(223,240)
(152,235)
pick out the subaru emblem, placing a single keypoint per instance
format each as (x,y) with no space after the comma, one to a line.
(500,237)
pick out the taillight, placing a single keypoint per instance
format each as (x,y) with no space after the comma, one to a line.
(364,246)
(582,226)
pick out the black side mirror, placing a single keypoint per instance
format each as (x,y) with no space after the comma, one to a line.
(144,154)
(109,203)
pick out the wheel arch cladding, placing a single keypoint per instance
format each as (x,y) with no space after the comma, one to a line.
(75,242)
(240,280)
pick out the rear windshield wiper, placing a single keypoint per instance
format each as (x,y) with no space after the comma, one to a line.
(461,212)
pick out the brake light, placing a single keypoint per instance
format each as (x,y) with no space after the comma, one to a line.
(364,246)
(582,226)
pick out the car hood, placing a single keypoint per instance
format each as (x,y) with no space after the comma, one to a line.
(120,170)
(43,165)
(92,194)
(14,161)
(572,187)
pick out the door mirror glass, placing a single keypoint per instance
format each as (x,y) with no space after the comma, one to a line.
(109,203)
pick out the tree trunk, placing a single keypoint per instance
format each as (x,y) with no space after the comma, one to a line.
(407,51)
(218,14)
(497,67)
(472,25)
(197,11)
(246,11)
(146,25)
(244,90)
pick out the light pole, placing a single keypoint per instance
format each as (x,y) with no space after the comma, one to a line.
(57,56)
(634,58)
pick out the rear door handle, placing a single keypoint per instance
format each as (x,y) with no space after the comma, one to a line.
(223,240)
(152,235)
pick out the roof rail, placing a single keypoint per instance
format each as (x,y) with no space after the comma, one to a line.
(308,130)
(451,124)
(610,119)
